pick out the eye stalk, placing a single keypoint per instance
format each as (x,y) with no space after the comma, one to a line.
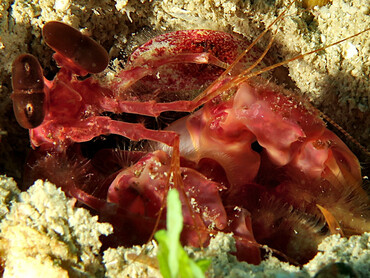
(28,91)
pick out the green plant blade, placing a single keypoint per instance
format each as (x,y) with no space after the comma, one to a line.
(173,261)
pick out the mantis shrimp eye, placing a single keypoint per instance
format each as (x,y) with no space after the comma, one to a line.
(80,49)
(28,91)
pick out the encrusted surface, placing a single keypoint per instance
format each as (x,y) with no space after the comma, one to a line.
(355,251)
(44,235)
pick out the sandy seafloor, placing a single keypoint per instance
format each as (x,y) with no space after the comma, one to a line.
(336,80)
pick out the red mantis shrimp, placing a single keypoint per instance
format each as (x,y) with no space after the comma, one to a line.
(253,160)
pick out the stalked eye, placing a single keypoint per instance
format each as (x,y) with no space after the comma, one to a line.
(82,50)
(28,91)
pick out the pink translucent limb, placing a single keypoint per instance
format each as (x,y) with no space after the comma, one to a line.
(148,108)
(272,132)
(87,129)
(226,141)
(342,162)
(126,78)
(181,58)
(328,157)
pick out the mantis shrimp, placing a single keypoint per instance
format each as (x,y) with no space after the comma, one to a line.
(250,158)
